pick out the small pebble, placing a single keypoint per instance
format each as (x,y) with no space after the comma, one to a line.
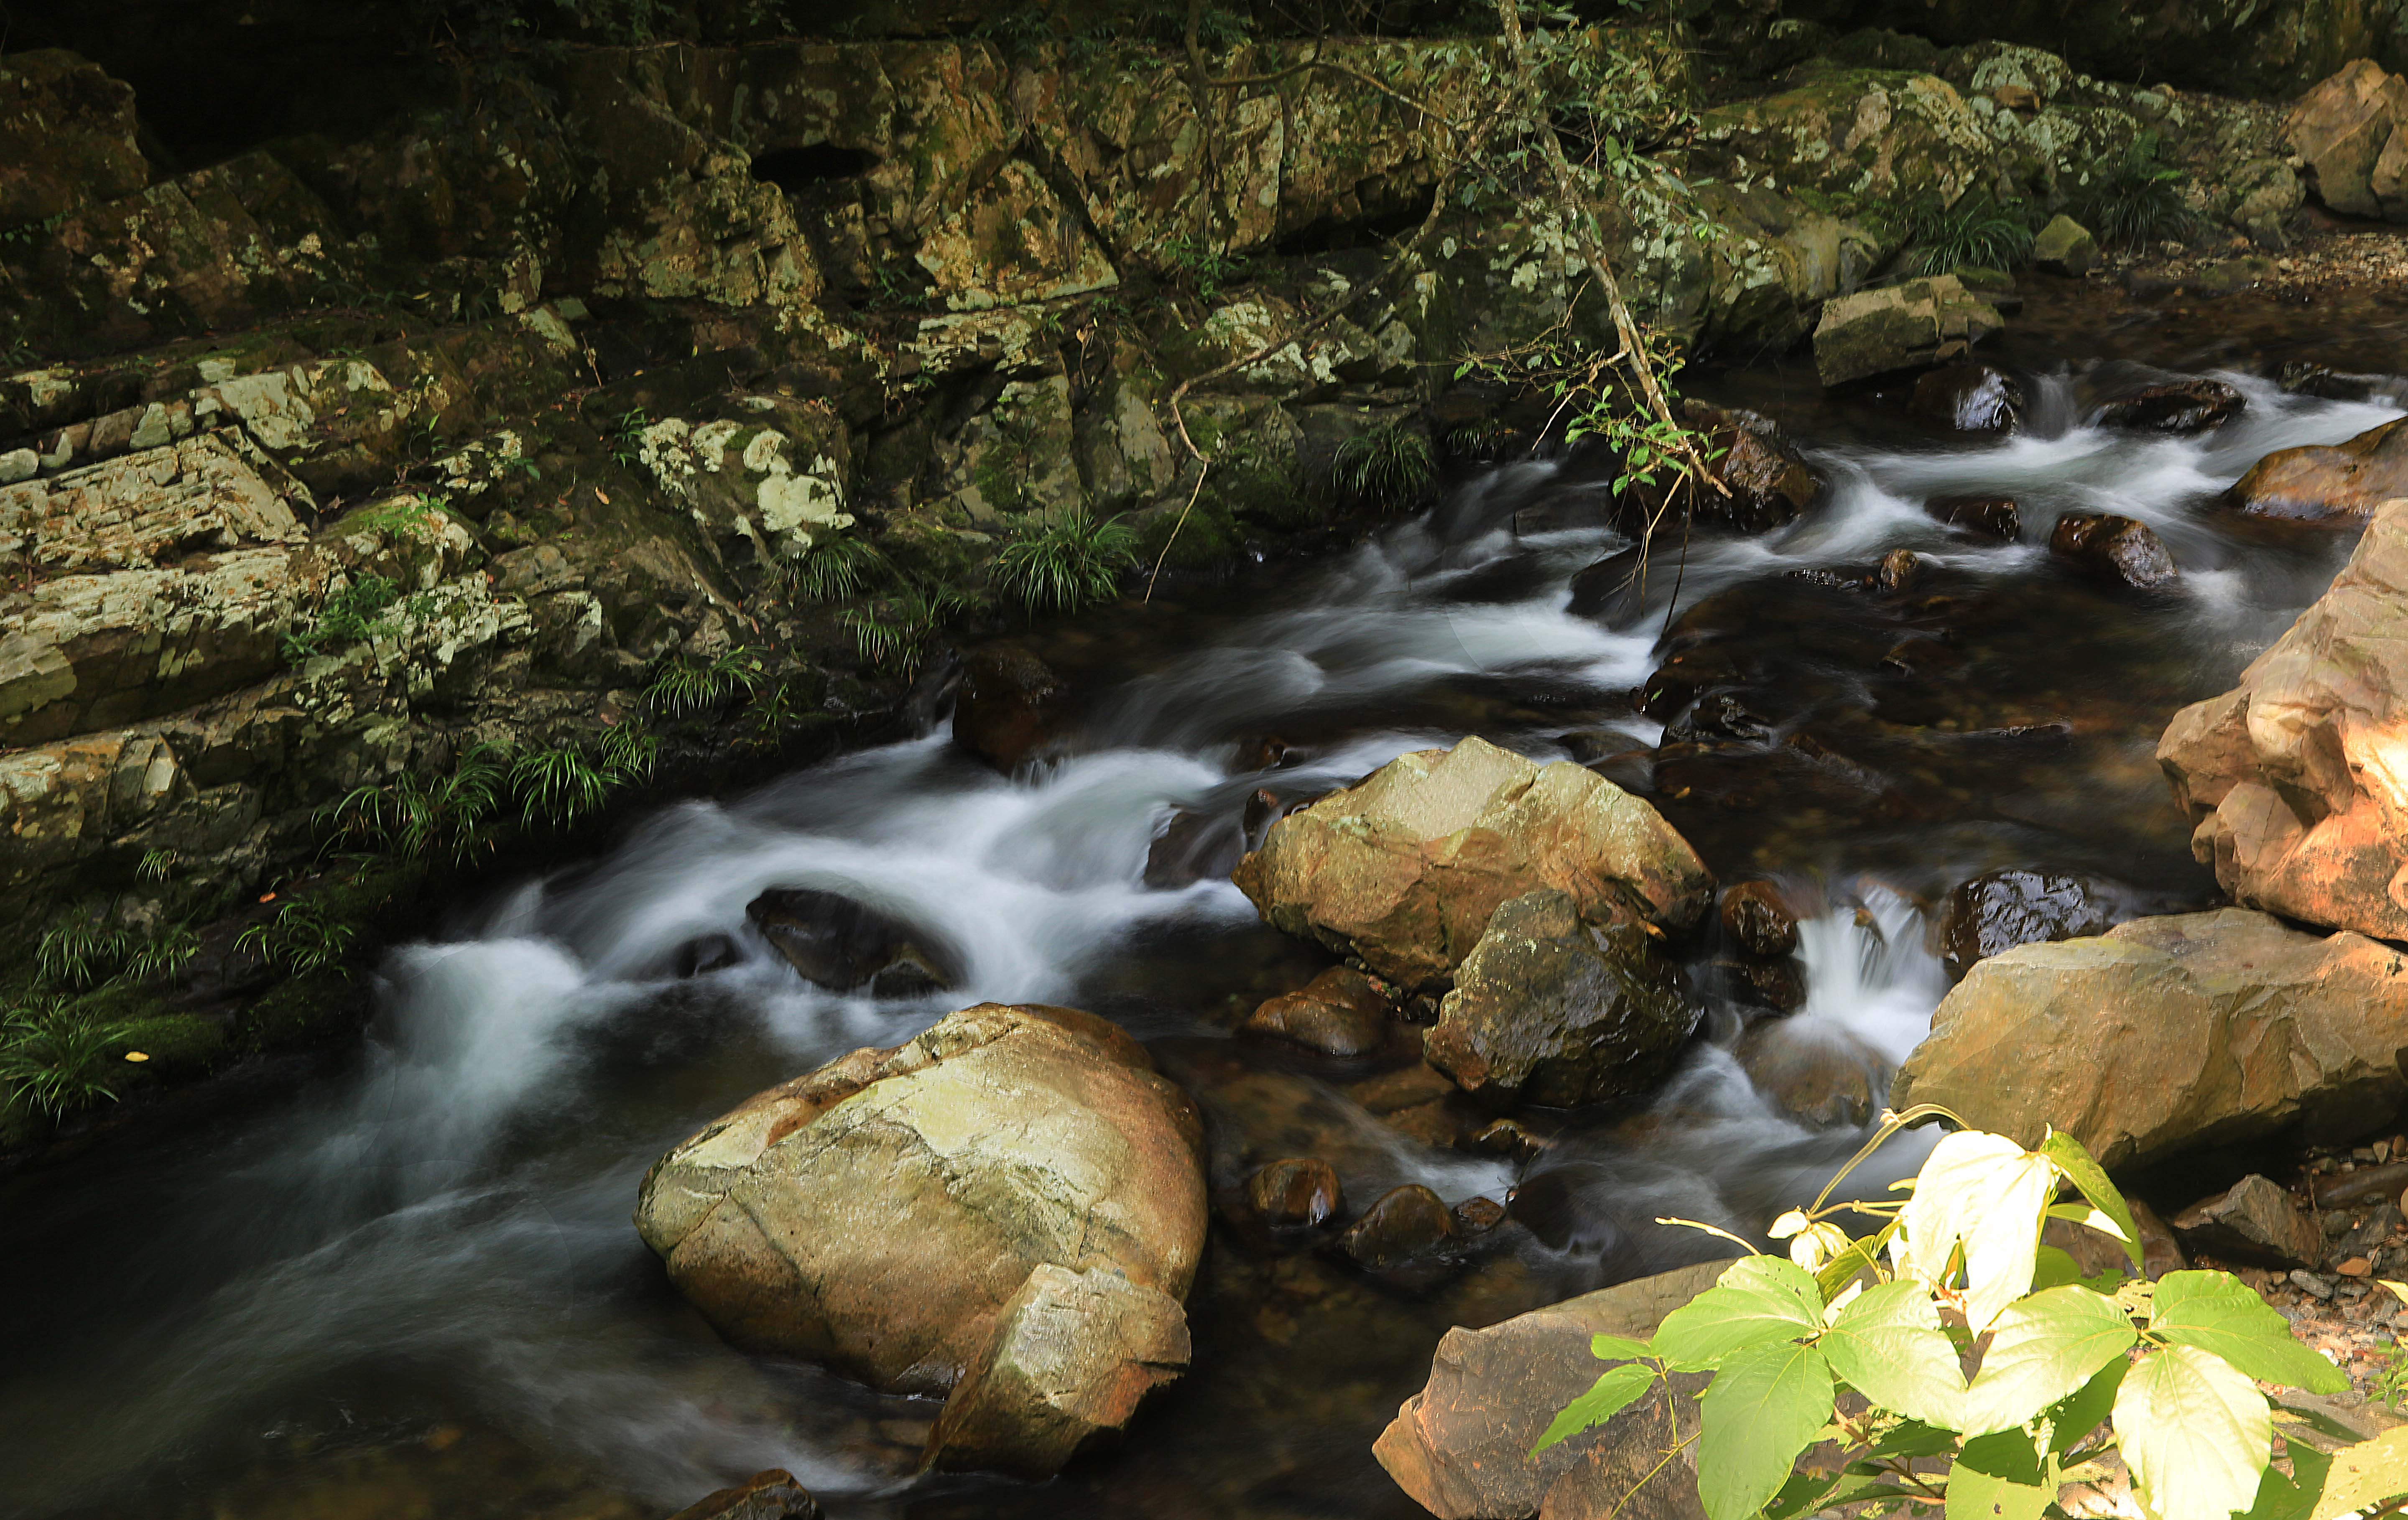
(2309,1282)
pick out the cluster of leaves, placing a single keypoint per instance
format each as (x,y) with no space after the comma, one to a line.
(1076,559)
(1203,265)
(627,437)
(1389,467)
(306,935)
(1976,230)
(2070,1368)
(682,685)
(346,617)
(62,1043)
(86,951)
(2134,197)
(894,629)
(462,814)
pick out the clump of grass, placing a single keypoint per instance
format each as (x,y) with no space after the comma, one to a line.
(421,817)
(683,686)
(893,631)
(834,568)
(1203,266)
(1978,230)
(346,617)
(86,951)
(2134,197)
(1389,465)
(56,1056)
(1077,559)
(627,437)
(305,936)
(559,786)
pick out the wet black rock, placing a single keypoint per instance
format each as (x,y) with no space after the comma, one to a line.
(2000,910)
(1295,1191)
(1401,1225)
(2191,406)
(773,1495)
(2330,385)
(2112,548)
(1991,516)
(1898,572)
(844,945)
(1967,398)
(1194,847)
(1768,481)
(1010,705)
(1341,1011)
(1757,921)
(1776,984)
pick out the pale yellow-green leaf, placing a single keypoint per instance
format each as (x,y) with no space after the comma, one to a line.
(1990,1194)
(2398,1290)
(2365,1474)
(2195,1433)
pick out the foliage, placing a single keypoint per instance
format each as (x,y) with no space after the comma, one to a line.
(2391,1379)
(1389,465)
(894,631)
(1977,230)
(1888,1318)
(833,569)
(306,935)
(56,1055)
(560,785)
(682,685)
(627,437)
(155,864)
(86,951)
(1203,265)
(1075,560)
(346,617)
(2134,197)
(421,816)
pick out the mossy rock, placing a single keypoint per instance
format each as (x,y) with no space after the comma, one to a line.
(312,1010)
(177,1042)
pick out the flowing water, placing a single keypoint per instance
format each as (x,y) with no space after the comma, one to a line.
(415,1289)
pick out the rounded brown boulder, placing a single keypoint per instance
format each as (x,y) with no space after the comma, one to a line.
(2340,483)
(1340,1012)
(2112,548)
(1010,705)
(907,1214)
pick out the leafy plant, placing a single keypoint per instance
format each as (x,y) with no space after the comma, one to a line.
(558,786)
(683,686)
(834,568)
(55,1057)
(1976,230)
(1203,266)
(155,864)
(422,817)
(2134,197)
(1075,560)
(348,616)
(627,437)
(894,631)
(1389,465)
(2391,1379)
(2165,1373)
(305,936)
(80,952)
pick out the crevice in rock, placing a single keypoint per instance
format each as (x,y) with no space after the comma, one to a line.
(1331,235)
(799,170)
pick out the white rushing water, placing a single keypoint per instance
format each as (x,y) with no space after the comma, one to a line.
(457,1216)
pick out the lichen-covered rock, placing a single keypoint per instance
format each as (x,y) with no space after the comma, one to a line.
(1461,1446)
(1885,135)
(66,137)
(1905,326)
(1549,1010)
(762,493)
(1008,1208)
(2293,778)
(2341,483)
(2065,246)
(2348,131)
(1407,869)
(2168,1034)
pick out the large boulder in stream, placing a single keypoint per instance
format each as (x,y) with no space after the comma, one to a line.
(1406,868)
(1550,1010)
(843,944)
(2347,132)
(1912,325)
(2166,1034)
(1461,1446)
(1008,1209)
(2295,781)
(2340,483)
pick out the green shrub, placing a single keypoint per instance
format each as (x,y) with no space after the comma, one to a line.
(1203,266)
(894,631)
(422,817)
(1860,1343)
(2134,197)
(85,951)
(1977,230)
(346,617)
(682,686)
(834,568)
(1077,559)
(57,1055)
(306,935)
(558,786)
(1388,466)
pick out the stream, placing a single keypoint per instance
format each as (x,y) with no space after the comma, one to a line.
(413,1289)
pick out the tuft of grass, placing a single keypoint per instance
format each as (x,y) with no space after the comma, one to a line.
(627,437)
(1389,467)
(56,1056)
(421,817)
(2134,197)
(683,686)
(834,568)
(346,617)
(1977,230)
(305,936)
(1203,266)
(558,786)
(892,633)
(1076,560)
(155,864)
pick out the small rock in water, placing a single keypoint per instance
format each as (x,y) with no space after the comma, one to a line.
(2113,548)
(1478,1215)
(1194,847)
(1754,914)
(2192,405)
(1405,1223)
(1340,1012)
(1967,398)
(1777,985)
(1009,706)
(1992,517)
(2000,910)
(1898,570)
(842,944)
(1768,481)
(2341,483)
(1815,1071)
(1295,1191)
(773,1495)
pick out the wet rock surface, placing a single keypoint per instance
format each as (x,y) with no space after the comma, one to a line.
(2112,548)
(773,1495)
(842,944)
(2000,910)
(1967,398)
(2342,484)
(1295,1191)
(1814,1070)
(2192,405)
(1766,480)
(1904,326)
(1340,1012)
(1990,517)
(1010,705)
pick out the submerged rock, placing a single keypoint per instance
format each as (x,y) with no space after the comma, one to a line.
(2112,548)
(1904,326)
(1967,398)
(1010,1202)
(1814,1070)
(1402,1224)
(1009,706)
(1406,868)
(1756,919)
(1991,516)
(2191,406)
(2289,778)
(1548,1009)
(1295,1191)
(1997,911)
(2171,1033)
(2341,483)
(1461,1446)
(842,944)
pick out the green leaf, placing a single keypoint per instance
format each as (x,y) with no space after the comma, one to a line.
(2218,1312)
(2043,1348)
(2089,1179)
(1913,1438)
(1767,1405)
(2053,1269)
(1761,1300)
(1808,1492)
(1999,1477)
(2293,1497)
(2365,1474)
(1619,1348)
(1842,1269)
(1887,1345)
(1612,1391)
(1988,1193)
(2088,1409)
(2194,1432)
